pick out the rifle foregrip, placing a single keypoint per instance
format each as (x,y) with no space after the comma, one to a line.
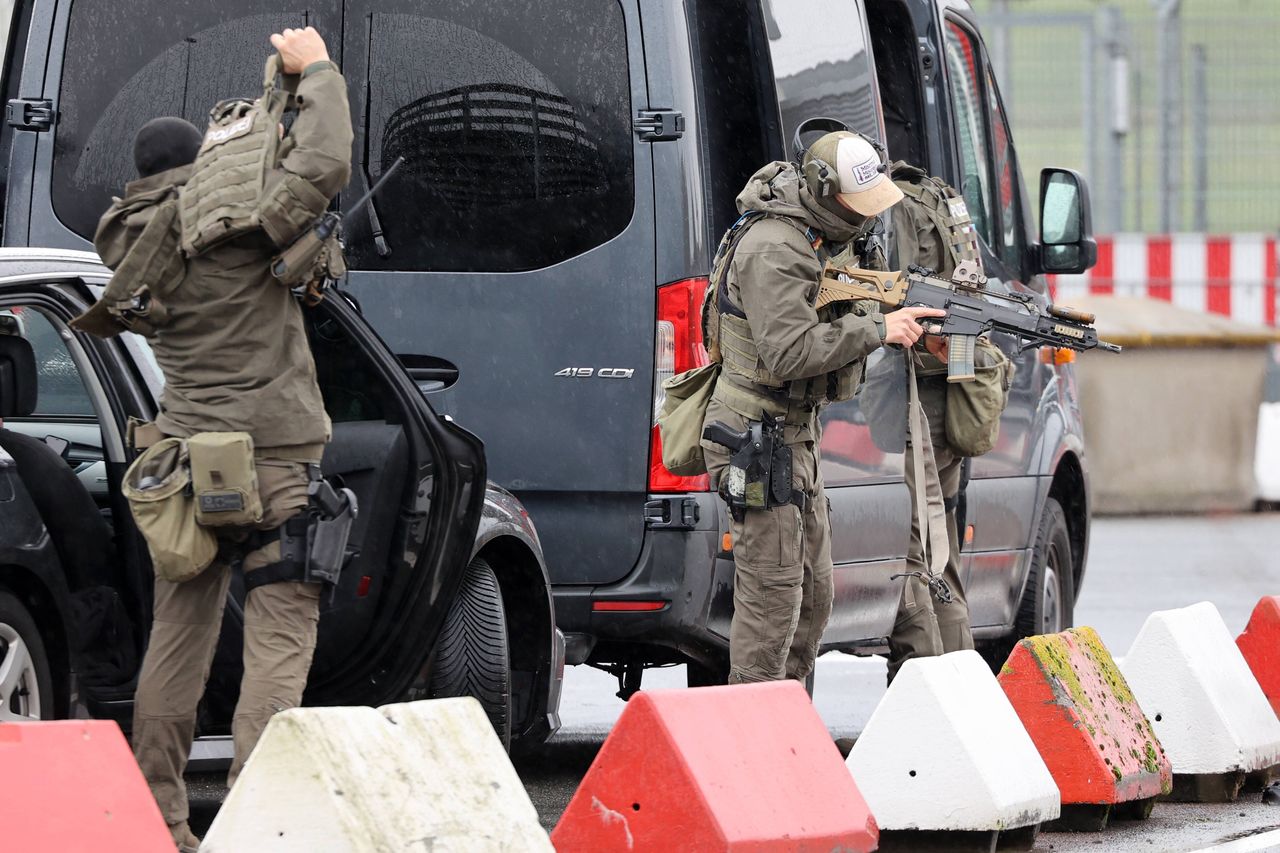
(960,352)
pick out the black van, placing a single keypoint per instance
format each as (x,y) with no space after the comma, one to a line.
(538,262)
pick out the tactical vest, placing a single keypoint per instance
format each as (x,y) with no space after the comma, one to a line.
(226,194)
(731,343)
(945,208)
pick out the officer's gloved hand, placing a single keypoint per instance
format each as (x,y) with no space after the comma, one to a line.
(902,327)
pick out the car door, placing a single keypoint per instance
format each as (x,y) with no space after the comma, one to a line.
(419,477)
(1002,493)
(832,73)
(419,481)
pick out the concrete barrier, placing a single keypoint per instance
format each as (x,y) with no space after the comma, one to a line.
(1260,645)
(350,780)
(1204,704)
(74,785)
(944,752)
(1134,407)
(1088,727)
(744,767)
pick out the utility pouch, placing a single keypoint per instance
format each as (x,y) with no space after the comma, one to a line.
(289,206)
(158,488)
(680,421)
(974,407)
(224,479)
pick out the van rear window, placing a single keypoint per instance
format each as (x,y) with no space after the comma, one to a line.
(127,63)
(514,119)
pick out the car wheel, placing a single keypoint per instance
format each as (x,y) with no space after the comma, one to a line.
(473,653)
(26,684)
(1048,599)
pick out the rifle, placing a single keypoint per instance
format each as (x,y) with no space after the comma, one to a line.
(305,260)
(969,314)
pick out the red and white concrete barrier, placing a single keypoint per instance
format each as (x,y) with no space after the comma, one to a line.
(1207,708)
(1233,275)
(428,775)
(718,769)
(944,751)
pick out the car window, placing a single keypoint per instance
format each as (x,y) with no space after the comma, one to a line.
(976,183)
(514,119)
(59,389)
(1008,188)
(821,70)
(125,64)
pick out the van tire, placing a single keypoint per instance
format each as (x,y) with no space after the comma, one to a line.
(32,695)
(1049,597)
(473,654)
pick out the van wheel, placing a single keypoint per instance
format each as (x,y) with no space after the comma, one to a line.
(473,652)
(1049,598)
(26,684)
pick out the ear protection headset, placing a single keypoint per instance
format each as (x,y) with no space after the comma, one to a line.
(821,175)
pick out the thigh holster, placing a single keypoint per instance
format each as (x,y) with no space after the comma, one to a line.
(313,543)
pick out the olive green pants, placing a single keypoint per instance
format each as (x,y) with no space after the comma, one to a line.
(279,639)
(782,587)
(925,626)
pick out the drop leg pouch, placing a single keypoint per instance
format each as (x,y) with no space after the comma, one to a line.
(158,488)
(224,479)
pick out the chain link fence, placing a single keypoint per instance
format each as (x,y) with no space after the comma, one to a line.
(1171,109)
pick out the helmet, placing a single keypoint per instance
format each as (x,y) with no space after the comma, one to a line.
(846,173)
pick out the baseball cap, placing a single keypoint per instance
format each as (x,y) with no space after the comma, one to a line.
(864,185)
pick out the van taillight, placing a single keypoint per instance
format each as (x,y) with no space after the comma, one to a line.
(677,348)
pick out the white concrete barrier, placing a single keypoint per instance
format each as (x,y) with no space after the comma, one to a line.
(422,775)
(1194,685)
(944,750)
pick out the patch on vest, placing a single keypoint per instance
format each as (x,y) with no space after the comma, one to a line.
(219,135)
(959,210)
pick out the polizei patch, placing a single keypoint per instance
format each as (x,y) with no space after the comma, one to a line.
(959,210)
(219,135)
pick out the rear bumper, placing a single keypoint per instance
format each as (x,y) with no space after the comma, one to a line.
(679,568)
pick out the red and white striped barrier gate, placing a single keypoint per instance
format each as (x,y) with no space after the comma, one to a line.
(1234,275)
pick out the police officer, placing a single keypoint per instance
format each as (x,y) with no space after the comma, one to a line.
(782,358)
(931,228)
(235,357)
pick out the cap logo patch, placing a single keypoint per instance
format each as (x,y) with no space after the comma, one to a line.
(865,172)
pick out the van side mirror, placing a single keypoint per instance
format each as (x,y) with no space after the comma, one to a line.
(1066,223)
